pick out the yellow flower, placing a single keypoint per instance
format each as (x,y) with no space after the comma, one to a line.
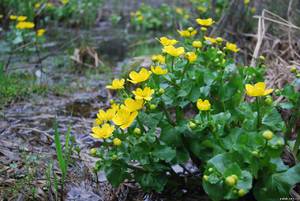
(103,132)
(259,89)
(159,58)
(173,51)
(145,93)
(232,47)
(117,142)
(205,22)
(187,33)
(211,40)
(106,116)
(158,70)
(40,32)
(197,44)
(116,84)
(37,5)
(22,18)
(64,1)
(191,57)
(203,105)
(13,17)
(137,77)
(132,105)
(25,25)
(124,118)
(98,122)
(115,107)
(166,41)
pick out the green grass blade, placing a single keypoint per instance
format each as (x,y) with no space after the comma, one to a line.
(59,152)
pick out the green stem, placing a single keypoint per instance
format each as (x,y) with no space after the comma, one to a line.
(172,64)
(258,113)
(171,82)
(296,145)
(183,73)
(140,124)
(167,113)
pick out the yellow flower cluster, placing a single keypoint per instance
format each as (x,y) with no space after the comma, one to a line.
(123,115)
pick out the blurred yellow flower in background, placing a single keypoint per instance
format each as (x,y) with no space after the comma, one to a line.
(40,32)
(166,41)
(205,22)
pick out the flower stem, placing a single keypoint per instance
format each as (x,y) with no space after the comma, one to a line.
(140,123)
(258,113)
(167,113)
(296,145)
(184,70)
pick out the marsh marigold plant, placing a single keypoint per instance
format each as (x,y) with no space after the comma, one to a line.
(195,104)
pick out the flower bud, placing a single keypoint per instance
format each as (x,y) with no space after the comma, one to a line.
(203,29)
(298,75)
(197,44)
(117,141)
(268,135)
(279,143)
(293,69)
(255,153)
(205,177)
(277,92)
(219,39)
(269,100)
(111,101)
(137,131)
(153,107)
(262,58)
(241,192)
(93,151)
(114,157)
(190,29)
(210,169)
(161,91)
(231,180)
(192,125)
